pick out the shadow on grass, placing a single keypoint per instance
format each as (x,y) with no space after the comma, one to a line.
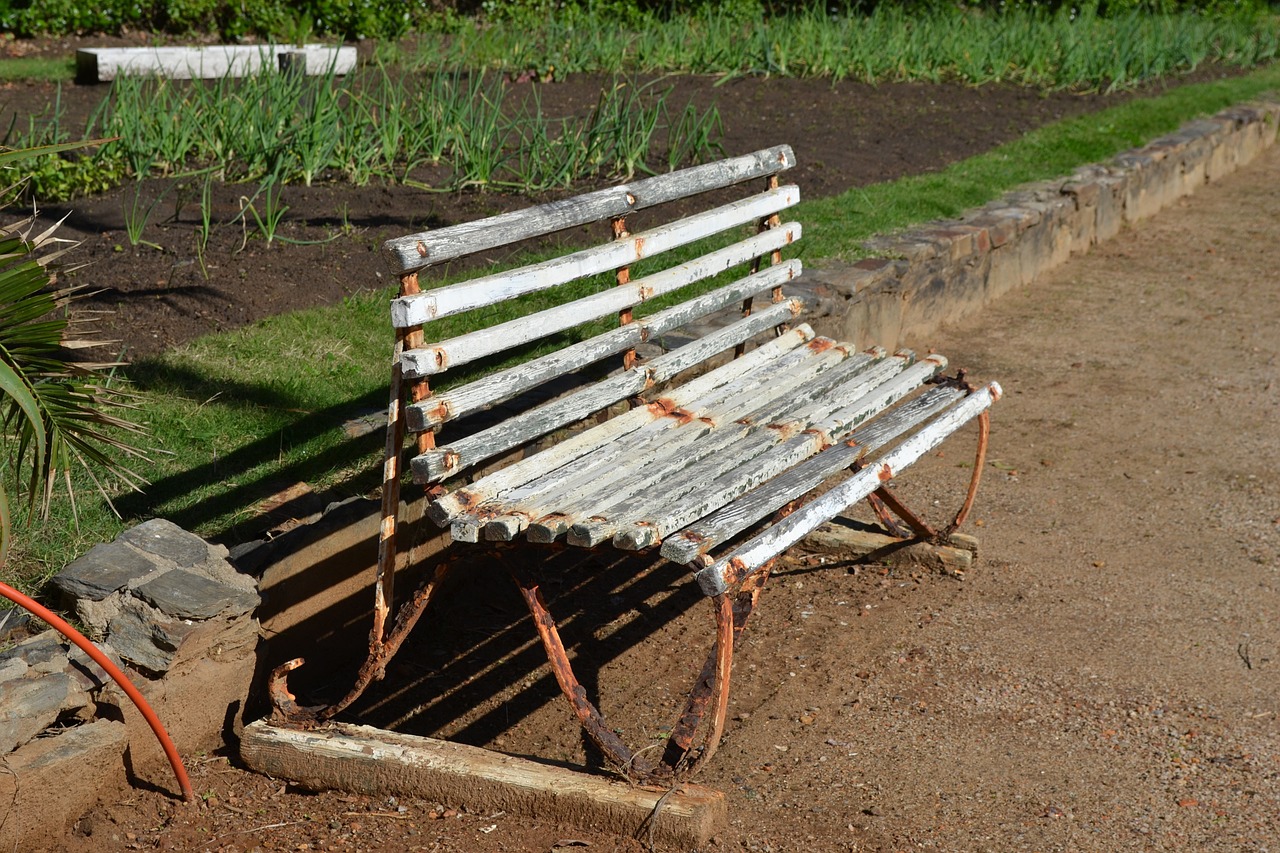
(170,495)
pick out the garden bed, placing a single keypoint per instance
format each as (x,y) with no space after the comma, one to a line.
(844,134)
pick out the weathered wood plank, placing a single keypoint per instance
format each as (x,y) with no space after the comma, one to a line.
(732,518)
(716,578)
(672,428)
(692,354)
(630,480)
(427,248)
(209,62)
(761,401)
(369,761)
(845,542)
(540,420)
(461,500)
(505,384)
(429,305)
(468,347)
(690,492)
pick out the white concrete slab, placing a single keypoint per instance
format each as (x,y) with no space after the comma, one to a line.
(94,64)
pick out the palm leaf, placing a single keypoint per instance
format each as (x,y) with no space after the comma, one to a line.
(53,403)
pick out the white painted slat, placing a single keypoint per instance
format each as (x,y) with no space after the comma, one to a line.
(468,347)
(672,427)
(714,580)
(677,424)
(743,471)
(505,384)
(429,305)
(427,248)
(692,354)
(627,478)
(689,493)
(730,520)
(461,500)
(446,461)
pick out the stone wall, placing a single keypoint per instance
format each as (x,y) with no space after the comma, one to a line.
(168,609)
(946,270)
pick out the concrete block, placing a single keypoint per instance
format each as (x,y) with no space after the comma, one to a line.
(372,761)
(100,64)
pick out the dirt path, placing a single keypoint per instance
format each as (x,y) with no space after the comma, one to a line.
(1109,679)
(1106,679)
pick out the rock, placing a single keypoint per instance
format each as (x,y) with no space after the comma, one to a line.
(145,637)
(34,651)
(13,668)
(13,623)
(102,571)
(28,706)
(40,805)
(185,595)
(88,674)
(166,539)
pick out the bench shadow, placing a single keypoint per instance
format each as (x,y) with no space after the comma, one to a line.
(473,670)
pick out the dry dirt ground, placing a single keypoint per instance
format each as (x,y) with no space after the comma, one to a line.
(1105,678)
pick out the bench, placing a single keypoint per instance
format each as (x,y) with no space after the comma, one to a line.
(729,418)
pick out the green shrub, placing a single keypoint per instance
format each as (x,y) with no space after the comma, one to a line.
(229,19)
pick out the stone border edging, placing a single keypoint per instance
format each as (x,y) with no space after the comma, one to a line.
(945,270)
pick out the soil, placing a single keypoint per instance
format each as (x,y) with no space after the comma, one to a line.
(1104,679)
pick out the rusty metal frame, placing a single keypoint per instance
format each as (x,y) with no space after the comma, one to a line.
(885,504)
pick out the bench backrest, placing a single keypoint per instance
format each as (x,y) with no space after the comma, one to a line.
(756,253)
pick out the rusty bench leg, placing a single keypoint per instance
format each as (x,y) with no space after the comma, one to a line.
(708,684)
(592,721)
(381,650)
(883,501)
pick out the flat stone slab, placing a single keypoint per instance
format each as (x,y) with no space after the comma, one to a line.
(103,570)
(99,64)
(28,706)
(166,539)
(366,760)
(189,596)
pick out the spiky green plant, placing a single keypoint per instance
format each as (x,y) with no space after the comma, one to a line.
(58,410)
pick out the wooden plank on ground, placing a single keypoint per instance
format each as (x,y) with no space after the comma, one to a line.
(850,540)
(365,760)
(209,62)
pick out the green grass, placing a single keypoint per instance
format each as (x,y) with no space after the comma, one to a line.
(236,417)
(38,68)
(1072,48)
(271,128)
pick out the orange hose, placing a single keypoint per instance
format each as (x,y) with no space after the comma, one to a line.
(119,677)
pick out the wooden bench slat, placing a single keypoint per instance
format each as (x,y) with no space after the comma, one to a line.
(428,305)
(708,409)
(716,578)
(416,251)
(445,508)
(444,462)
(505,384)
(720,526)
(468,347)
(720,487)
(778,394)
(693,492)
